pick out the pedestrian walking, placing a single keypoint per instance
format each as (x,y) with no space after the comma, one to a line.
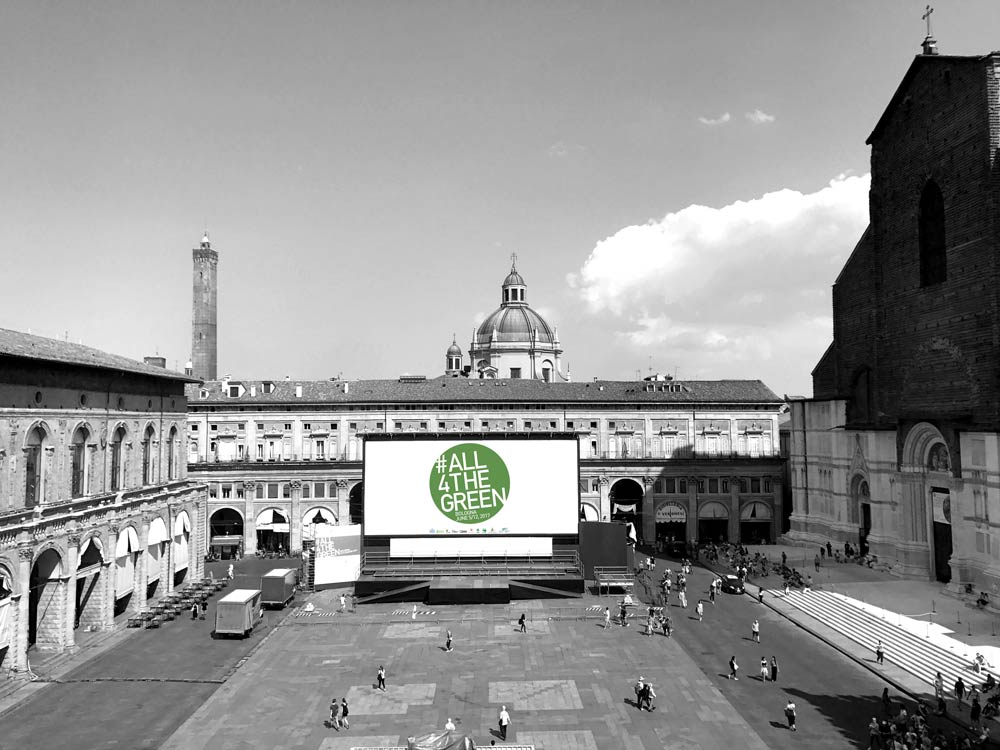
(784,559)
(733,668)
(765,671)
(879,652)
(959,691)
(414,617)
(711,592)
(760,595)
(774,669)
(343,603)
(938,686)
(640,691)
(874,735)
(668,625)
(344,711)
(647,696)
(449,726)
(650,624)
(194,611)
(334,720)
(683,599)
(790,714)
(229,573)
(504,722)
(607,617)
(816,563)
(380,677)
(699,610)
(755,631)
(447,641)
(520,624)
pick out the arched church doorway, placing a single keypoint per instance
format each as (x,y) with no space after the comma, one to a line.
(356,503)
(939,468)
(225,528)
(626,504)
(44,608)
(862,513)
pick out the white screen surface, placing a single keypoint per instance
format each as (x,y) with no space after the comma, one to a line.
(470,486)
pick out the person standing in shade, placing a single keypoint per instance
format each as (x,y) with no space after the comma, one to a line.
(975,712)
(447,641)
(344,710)
(520,624)
(607,617)
(667,625)
(774,669)
(938,686)
(755,631)
(959,691)
(790,714)
(380,677)
(879,653)
(700,610)
(733,668)
(711,592)
(504,722)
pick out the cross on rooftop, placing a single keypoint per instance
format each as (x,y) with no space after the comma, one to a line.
(927,17)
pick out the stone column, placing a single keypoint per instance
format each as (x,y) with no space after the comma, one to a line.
(167,565)
(692,505)
(778,505)
(605,485)
(249,518)
(648,510)
(295,519)
(25,556)
(72,563)
(734,509)
(343,503)
(50,492)
(110,591)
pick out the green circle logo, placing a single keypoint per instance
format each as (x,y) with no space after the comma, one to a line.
(469,483)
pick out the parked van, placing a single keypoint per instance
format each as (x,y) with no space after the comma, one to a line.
(278,587)
(238,612)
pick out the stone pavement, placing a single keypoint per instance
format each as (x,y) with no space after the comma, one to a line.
(566,682)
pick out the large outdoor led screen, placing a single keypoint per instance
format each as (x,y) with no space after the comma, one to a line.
(470,486)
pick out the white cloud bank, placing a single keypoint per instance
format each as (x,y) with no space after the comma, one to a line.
(720,120)
(741,291)
(759,118)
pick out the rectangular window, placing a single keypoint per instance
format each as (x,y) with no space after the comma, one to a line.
(423,425)
(485,425)
(468,424)
(241,426)
(669,485)
(611,425)
(214,427)
(593,425)
(682,486)
(319,489)
(584,486)
(440,425)
(241,450)
(321,449)
(33,475)
(306,489)
(260,492)
(527,424)
(552,425)
(713,486)
(260,426)
(701,485)
(767,485)
(272,491)
(595,485)
(569,425)
(755,485)
(260,451)
(744,485)
(288,425)
(227,491)
(116,466)
(515,373)
(78,457)
(286,491)
(510,425)
(234,391)
(239,492)
(307,426)
(333,425)
(725,485)
(194,428)
(333,489)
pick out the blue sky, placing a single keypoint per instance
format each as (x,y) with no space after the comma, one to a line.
(681,181)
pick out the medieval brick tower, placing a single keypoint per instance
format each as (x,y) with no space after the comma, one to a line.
(204,328)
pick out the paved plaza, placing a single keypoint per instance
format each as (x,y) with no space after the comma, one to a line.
(567,684)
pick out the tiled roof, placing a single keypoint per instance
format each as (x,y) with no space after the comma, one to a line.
(442,389)
(39,348)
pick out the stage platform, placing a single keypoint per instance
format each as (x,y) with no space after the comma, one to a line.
(468,580)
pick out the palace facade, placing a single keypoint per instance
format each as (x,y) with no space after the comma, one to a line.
(97,515)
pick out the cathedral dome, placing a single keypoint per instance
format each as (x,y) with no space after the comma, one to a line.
(515,323)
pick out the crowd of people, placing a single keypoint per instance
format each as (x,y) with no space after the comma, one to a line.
(900,729)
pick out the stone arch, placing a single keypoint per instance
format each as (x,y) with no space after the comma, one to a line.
(917,447)
(181,533)
(127,550)
(356,502)
(38,424)
(311,519)
(118,437)
(46,584)
(36,442)
(173,443)
(157,540)
(90,591)
(8,579)
(626,497)
(589,512)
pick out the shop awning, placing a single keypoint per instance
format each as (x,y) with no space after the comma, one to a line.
(182,524)
(671,513)
(157,532)
(272,520)
(227,541)
(128,542)
(624,508)
(713,510)
(756,512)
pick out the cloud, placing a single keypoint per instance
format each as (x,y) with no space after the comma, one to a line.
(720,120)
(759,118)
(739,291)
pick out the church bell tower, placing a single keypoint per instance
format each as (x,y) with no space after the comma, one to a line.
(204,329)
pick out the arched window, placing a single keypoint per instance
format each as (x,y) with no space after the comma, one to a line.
(147,456)
(80,479)
(933,258)
(171,458)
(117,465)
(33,474)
